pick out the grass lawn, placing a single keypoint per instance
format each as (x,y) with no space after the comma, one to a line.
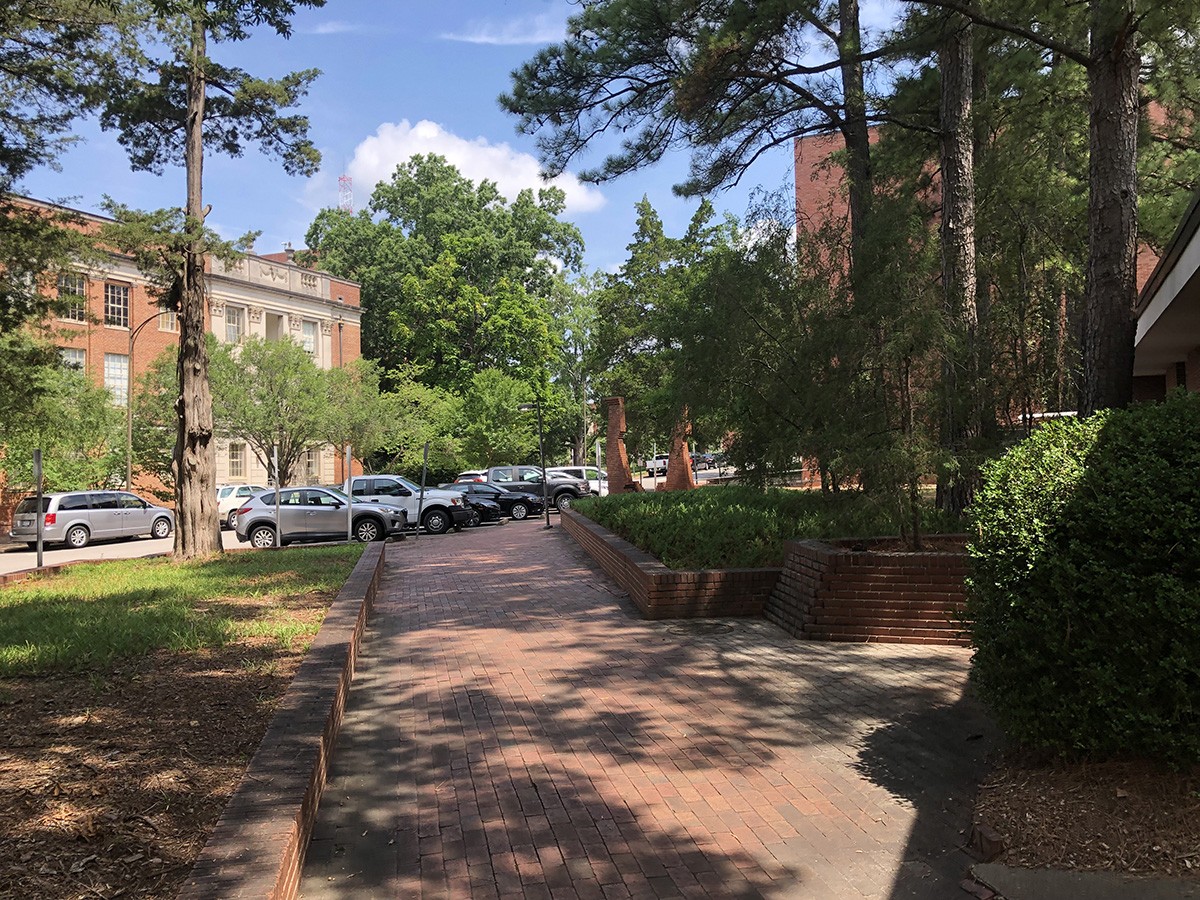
(132,695)
(731,526)
(90,615)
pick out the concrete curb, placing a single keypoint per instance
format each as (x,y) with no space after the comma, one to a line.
(1012,883)
(257,847)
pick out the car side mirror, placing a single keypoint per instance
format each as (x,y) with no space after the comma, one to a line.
(405,492)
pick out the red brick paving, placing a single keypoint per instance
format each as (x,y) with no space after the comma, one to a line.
(516,731)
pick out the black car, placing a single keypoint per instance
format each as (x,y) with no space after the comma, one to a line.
(516,505)
(483,511)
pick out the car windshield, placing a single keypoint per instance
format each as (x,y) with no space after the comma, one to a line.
(337,492)
(415,488)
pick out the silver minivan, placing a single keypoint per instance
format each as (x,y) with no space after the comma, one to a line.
(76,518)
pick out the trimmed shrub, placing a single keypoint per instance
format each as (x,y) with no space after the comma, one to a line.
(734,526)
(1084,599)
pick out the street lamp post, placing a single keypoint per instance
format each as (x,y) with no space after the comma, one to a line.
(129,402)
(525,407)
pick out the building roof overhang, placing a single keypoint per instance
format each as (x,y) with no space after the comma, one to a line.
(1168,310)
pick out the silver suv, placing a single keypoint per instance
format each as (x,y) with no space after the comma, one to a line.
(76,518)
(315,514)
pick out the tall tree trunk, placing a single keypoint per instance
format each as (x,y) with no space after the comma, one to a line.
(197,530)
(1110,295)
(854,127)
(960,367)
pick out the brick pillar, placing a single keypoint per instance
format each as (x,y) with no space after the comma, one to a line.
(679,463)
(616,460)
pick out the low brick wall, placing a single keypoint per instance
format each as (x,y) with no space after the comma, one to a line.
(662,593)
(847,591)
(257,848)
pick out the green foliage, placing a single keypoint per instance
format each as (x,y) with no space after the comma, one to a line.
(644,308)
(455,279)
(494,430)
(148,108)
(735,527)
(268,394)
(725,79)
(417,414)
(92,615)
(77,427)
(1085,594)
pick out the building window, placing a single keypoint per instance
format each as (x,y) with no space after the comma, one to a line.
(73,357)
(312,466)
(237,460)
(168,320)
(116,376)
(116,305)
(71,297)
(308,336)
(235,324)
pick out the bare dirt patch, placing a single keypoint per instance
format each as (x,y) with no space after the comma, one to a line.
(110,783)
(1126,816)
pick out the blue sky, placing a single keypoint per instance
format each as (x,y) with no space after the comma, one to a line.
(397,79)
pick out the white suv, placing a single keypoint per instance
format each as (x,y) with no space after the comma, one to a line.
(232,496)
(597,479)
(441,510)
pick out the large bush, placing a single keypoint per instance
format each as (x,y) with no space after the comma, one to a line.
(1085,594)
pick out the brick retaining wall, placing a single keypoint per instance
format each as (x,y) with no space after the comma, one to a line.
(257,848)
(844,591)
(662,593)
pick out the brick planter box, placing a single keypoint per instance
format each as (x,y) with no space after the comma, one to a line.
(662,593)
(257,847)
(847,591)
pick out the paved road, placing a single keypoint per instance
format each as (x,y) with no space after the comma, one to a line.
(16,556)
(516,731)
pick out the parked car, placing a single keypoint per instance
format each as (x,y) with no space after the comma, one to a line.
(517,505)
(657,465)
(702,461)
(441,510)
(232,496)
(597,479)
(562,491)
(479,475)
(315,514)
(483,511)
(76,518)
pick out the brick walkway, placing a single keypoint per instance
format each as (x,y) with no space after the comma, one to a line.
(516,731)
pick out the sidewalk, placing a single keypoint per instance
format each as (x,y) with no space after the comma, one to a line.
(516,731)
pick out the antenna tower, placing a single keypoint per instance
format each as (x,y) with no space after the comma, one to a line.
(346,193)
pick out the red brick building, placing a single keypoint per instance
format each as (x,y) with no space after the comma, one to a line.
(113,329)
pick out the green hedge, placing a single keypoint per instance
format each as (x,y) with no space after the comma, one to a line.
(1085,594)
(733,526)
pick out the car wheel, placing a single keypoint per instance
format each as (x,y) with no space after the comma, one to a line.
(367,530)
(436,521)
(78,537)
(231,520)
(161,528)
(563,501)
(519,511)
(262,536)
(475,520)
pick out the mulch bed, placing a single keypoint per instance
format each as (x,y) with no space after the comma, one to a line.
(1124,816)
(110,783)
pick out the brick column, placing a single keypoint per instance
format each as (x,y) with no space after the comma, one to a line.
(679,463)
(616,460)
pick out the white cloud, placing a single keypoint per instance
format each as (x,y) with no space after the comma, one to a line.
(393,143)
(542,28)
(332,27)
